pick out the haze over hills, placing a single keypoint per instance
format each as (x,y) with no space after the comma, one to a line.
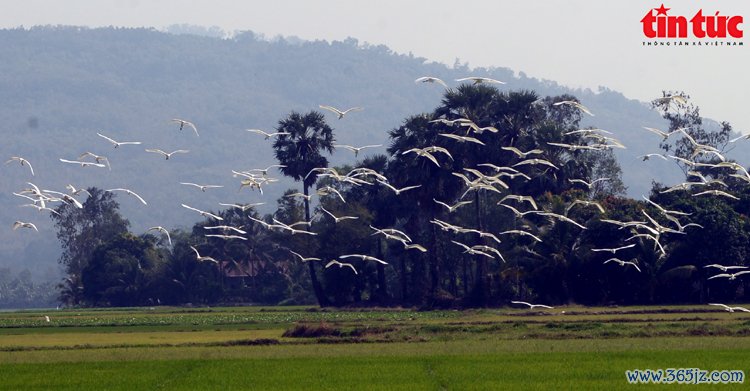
(59,86)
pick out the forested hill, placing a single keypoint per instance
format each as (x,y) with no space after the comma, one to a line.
(59,86)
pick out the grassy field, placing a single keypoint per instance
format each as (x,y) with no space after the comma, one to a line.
(306,348)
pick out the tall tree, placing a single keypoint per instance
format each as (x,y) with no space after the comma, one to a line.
(300,151)
(82,230)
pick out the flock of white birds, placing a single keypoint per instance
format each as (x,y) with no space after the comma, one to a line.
(460,130)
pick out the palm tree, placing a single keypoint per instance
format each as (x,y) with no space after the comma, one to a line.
(300,151)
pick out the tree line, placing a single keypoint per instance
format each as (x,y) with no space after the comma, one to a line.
(551,261)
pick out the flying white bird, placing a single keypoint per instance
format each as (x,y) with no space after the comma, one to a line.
(243,207)
(584,203)
(623,263)
(364,258)
(730,309)
(338,112)
(82,164)
(202,187)
(730,276)
(167,155)
(340,265)
(304,259)
(21,224)
(716,193)
(522,154)
(337,219)
(23,162)
(650,155)
(532,306)
(163,230)
(227,228)
(430,79)
(613,250)
(452,208)
(522,233)
(574,104)
(535,161)
(725,268)
(357,149)
(266,134)
(201,258)
(225,237)
(132,193)
(74,191)
(461,139)
(588,184)
(118,143)
(264,171)
(479,80)
(395,190)
(520,198)
(203,213)
(663,134)
(184,123)
(98,158)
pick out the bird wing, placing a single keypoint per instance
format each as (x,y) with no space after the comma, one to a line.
(331,108)
(157,151)
(258,131)
(720,275)
(521,302)
(107,138)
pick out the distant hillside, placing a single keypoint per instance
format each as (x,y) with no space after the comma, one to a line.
(59,86)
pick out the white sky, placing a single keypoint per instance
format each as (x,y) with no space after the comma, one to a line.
(580,43)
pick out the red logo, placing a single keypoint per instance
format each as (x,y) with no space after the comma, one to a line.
(663,25)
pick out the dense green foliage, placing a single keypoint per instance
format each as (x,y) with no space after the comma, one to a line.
(525,256)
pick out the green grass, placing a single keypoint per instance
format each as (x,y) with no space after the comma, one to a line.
(243,347)
(544,371)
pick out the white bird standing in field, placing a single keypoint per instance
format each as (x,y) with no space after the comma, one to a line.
(430,79)
(532,306)
(132,193)
(338,112)
(184,123)
(23,162)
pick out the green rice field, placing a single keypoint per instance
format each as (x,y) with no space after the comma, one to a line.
(282,348)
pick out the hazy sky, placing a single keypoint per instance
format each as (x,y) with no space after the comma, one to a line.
(580,43)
